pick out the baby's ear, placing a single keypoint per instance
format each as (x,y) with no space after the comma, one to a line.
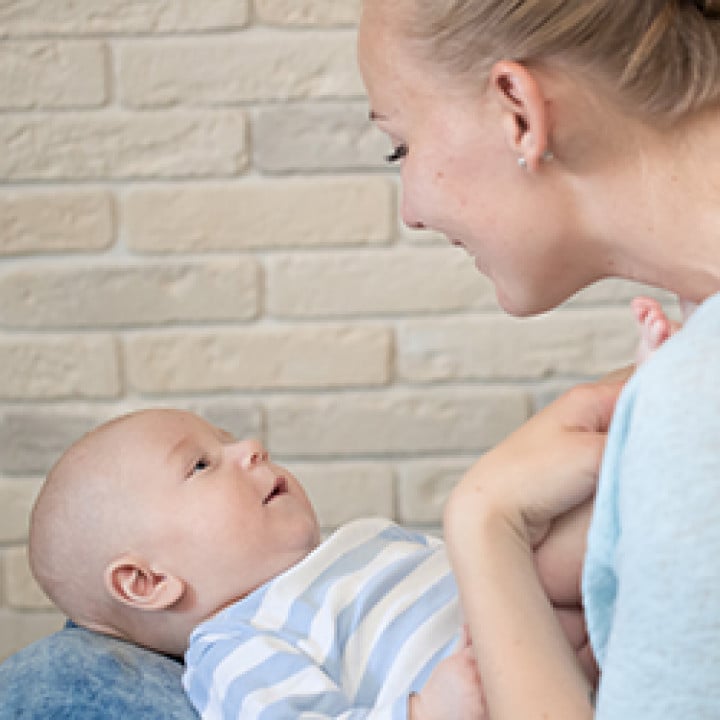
(133,582)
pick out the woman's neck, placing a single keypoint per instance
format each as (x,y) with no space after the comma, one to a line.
(664,225)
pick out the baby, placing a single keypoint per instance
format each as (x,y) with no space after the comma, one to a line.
(161,529)
(164,530)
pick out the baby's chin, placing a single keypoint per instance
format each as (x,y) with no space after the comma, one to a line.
(314,537)
(317,538)
(305,539)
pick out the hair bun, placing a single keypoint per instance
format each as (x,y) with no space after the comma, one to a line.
(709,8)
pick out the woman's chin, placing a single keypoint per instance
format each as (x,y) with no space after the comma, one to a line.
(523,304)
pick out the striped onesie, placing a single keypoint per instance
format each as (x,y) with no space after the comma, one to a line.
(349,632)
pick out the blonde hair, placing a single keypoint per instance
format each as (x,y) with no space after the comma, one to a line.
(660,57)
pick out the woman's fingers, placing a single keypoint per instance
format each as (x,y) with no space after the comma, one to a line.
(590,407)
(545,468)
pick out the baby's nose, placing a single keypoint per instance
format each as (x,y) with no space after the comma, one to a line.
(250,453)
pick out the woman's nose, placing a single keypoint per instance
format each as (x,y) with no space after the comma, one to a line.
(249,453)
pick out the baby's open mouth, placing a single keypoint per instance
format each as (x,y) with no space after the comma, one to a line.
(279,488)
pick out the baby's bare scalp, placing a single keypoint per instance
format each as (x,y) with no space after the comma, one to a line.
(74,520)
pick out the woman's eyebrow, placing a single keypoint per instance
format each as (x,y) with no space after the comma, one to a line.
(376,116)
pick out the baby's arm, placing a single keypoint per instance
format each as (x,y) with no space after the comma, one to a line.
(453,690)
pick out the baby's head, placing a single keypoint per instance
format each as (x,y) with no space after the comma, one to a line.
(156,520)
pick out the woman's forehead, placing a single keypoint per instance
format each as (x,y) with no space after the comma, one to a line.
(389,63)
(383,25)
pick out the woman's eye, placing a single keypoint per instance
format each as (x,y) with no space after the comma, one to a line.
(397,154)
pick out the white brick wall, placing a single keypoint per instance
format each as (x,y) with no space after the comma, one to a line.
(194,212)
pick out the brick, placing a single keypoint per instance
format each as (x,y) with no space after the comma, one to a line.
(58,367)
(394,422)
(259,357)
(39,17)
(308,12)
(129,293)
(62,220)
(52,75)
(317,137)
(19,629)
(341,492)
(412,237)
(563,342)
(33,437)
(307,212)
(16,499)
(21,590)
(423,488)
(251,67)
(392,280)
(118,145)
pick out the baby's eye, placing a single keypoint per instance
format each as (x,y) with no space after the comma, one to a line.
(398,153)
(200,465)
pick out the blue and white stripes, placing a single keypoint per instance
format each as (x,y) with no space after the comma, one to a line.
(347,633)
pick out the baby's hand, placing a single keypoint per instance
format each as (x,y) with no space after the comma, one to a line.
(453,690)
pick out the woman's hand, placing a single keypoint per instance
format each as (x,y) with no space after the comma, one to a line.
(544,469)
(502,511)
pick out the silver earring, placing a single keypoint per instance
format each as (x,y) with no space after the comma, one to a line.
(547,156)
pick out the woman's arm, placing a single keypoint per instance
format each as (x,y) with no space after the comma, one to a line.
(502,509)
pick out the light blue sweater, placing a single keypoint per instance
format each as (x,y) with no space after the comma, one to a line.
(651,582)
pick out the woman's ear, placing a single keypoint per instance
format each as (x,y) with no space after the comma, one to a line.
(525,115)
(133,582)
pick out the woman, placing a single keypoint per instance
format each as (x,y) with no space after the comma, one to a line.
(559,143)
